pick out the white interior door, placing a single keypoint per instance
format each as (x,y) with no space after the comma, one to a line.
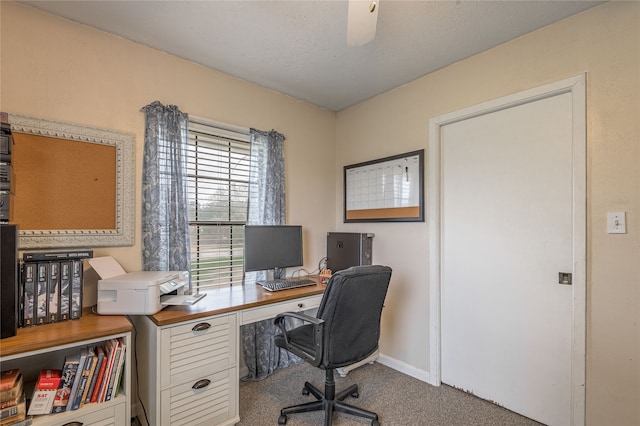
(507,230)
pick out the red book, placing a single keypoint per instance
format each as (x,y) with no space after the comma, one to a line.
(100,356)
(49,379)
(112,347)
(99,380)
(45,392)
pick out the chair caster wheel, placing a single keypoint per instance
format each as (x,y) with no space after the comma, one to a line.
(355,395)
(375,423)
(282,420)
(305,392)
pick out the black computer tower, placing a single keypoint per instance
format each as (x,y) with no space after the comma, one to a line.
(346,249)
(9,280)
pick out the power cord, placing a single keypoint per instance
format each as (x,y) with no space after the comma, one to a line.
(135,361)
(322,264)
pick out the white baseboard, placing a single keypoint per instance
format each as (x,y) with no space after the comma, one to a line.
(404,368)
(381,358)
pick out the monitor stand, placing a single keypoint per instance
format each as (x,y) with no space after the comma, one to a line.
(276,273)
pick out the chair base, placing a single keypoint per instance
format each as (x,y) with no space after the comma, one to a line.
(328,402)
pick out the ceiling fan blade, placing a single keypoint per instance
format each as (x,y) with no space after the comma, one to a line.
(362,20)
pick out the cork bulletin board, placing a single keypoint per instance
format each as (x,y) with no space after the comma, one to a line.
(388,189)
(63,184)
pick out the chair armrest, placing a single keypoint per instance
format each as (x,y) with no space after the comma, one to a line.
(318,331)
(304,317)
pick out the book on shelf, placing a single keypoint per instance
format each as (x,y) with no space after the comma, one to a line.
(50,291)
(57,255)
(111,347)
(45,392)
(65,289)
(90,375)
(84,353)
(41,293)
(12,396)
(20,301)
(84,379)
(101,373)
(118,362)
(53,290)
(116,350)
(116,385)
(15,413)
(76,289)
(99,351)
(69,372)
(8,379)
(28,293)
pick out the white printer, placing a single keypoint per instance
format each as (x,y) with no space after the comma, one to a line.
(138,293)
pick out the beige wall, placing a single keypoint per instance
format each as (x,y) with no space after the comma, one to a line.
(53,68)
(56,69)
(604,42)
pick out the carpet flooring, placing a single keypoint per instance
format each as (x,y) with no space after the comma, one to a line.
(398,399)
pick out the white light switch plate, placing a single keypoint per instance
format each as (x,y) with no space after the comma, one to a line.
(616,223)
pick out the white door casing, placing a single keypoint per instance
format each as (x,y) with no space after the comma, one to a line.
(569,95)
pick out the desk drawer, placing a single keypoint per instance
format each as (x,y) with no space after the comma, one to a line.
(193,349)
(270,311)
(208,404)
(115,415)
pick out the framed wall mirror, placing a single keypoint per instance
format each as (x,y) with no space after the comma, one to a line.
(72,185)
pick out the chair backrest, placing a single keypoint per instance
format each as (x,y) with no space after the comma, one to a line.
(351,309)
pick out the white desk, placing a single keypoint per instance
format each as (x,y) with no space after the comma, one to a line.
(188,371)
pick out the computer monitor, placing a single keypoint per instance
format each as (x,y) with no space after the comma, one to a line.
(272,247)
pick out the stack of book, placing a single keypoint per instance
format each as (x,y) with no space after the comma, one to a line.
(51,286)
(12,402)
(94,375)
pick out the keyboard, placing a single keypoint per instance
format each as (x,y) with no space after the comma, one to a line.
(277,285)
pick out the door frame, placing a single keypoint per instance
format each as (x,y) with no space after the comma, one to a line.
(577,87)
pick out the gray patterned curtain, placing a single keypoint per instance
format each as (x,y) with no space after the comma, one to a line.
(165,224)
(267,206)
(267,197)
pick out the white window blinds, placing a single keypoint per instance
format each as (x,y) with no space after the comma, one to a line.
(218,187)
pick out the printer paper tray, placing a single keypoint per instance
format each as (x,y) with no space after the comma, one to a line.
(181,299)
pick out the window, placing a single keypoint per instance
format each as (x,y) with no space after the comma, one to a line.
(218,188)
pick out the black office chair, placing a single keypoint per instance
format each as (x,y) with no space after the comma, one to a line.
(345,330)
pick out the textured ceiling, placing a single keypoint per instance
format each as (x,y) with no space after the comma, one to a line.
(299,47)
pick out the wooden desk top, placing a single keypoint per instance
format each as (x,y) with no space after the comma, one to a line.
(93,326)
(89,326)
(231,299)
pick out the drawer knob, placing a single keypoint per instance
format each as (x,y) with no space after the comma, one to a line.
(201,326)
(300,305)
(202,383)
